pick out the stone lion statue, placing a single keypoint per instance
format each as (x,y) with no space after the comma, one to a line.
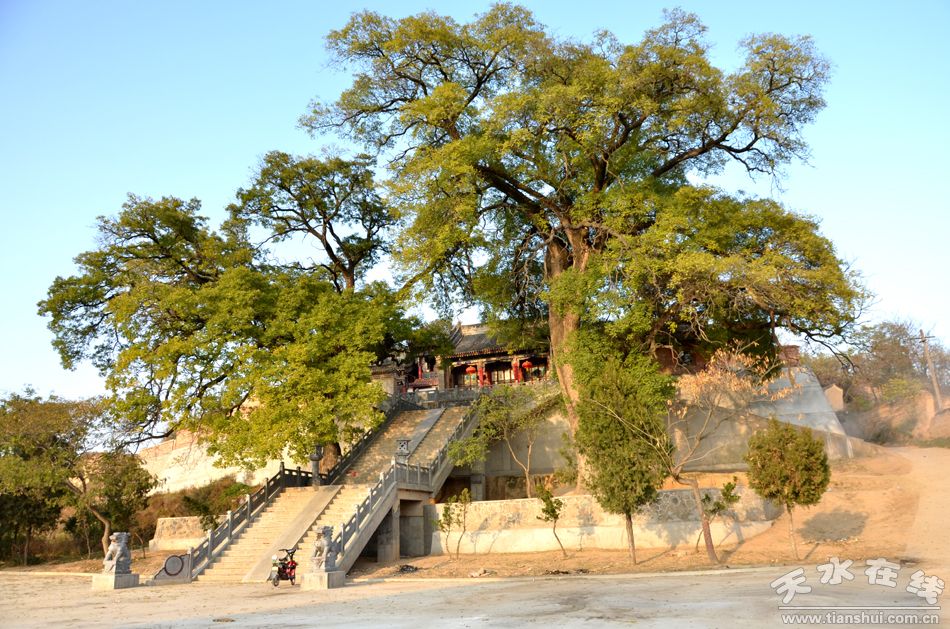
(118,559)
(324,555)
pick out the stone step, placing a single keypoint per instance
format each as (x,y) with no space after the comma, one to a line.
(255,540)
(248,547)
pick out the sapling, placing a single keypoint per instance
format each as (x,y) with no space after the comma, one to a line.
(550,511)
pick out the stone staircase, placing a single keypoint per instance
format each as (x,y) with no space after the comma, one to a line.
(256,540)
(339,510)
(379,454)
(427,430)
(437,435)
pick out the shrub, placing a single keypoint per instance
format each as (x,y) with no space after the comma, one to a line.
(788,465)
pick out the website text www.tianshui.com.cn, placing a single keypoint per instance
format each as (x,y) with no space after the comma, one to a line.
(862,617)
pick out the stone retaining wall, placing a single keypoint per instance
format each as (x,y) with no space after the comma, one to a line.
(509,526)
(177,533)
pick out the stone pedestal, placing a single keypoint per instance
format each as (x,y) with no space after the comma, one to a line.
(322,580)
(114,581)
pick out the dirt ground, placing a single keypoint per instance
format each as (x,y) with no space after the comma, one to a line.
(869,510)
(892,505)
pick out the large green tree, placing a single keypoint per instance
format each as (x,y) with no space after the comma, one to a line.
(331,202)
(548,178)
(208,330)
(24,513)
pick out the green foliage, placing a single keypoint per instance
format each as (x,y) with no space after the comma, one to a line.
(333,201)
(900,388)
(550,506)
(42,440)
(727,497)
(942,442)
(563,166)
(623,431)
(211,501)
(788,465)
(45,453)
(567,473)
(85,531)
(550,511)
(24,515)
(208,502)
(201,329)
(117,486)
(884,362)
(712,270)
(506,414)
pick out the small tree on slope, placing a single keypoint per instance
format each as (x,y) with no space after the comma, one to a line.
(788,465)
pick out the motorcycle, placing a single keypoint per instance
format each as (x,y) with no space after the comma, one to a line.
(283,568)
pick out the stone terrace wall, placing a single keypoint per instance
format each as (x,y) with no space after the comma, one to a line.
(177,534)
(511,526)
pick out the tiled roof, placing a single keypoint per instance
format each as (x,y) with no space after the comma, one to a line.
(478,343)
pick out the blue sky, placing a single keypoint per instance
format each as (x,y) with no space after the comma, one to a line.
(99,99)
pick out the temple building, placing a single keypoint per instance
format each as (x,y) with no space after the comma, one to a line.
(478,361)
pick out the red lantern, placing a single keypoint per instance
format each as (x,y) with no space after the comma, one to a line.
(526,365)
(470,369)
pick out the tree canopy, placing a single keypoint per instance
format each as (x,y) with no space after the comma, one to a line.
(550,181)
(623,434)
(543,177)
(884,362)
(203,329)
(333,202)
(788,464)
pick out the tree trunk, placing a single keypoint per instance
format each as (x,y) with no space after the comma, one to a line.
(525,467)
(563,322)
(554,530)
(106,528)
(85,535)
(331,456)
(791,531)
(628,519)
(693,484)
(106,523)
(562,327)
(26,545)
